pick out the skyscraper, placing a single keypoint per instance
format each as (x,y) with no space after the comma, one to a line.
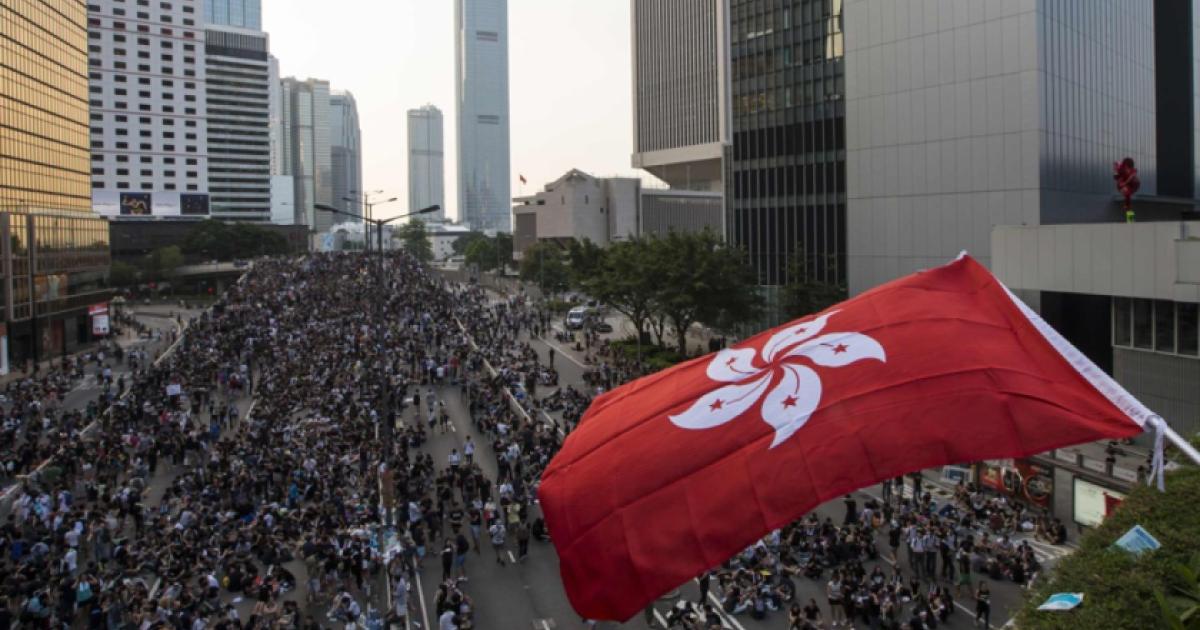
(149,129)
(306,149)
(481,90)
(681,100)
(426,164)
(240,13)
(55,250)
(786,170)
(346,145)
(239,145)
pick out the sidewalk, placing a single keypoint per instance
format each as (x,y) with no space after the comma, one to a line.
(127,339)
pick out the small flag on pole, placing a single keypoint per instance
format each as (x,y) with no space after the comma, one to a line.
(522,179)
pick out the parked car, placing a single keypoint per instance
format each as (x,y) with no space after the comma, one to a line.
(602,326)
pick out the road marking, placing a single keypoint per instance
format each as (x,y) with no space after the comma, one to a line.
(660,618)
(725,617)
(452,429)
(545,625)
(563,352)
(421,597)
(512,557)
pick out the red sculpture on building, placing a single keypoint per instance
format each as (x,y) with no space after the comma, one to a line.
(1125,175)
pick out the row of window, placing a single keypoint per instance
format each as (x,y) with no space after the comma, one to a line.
(121,78)
(120,185)
(118,38)
(146,133)
(143,107)
(122,145)
(145,159)
(1159,325)
(95,22)
(144,172)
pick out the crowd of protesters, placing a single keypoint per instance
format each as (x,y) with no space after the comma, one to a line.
(242,482)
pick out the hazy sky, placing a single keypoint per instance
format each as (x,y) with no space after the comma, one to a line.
(569,80)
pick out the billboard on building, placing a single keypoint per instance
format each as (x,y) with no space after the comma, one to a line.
(99,315)
(1021,479)
(115,203)
(1094,502)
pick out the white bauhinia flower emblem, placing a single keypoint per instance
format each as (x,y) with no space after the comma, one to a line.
(794,388)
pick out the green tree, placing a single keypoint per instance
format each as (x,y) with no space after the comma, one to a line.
(626,281)
(1123,591)
(218,240)
(162,262)
(1181,605)
(545,265)
(121,274)
(807,293)
(482,254)
(415,238)
(702,280)
(490,253)
(463,242)
(586,260)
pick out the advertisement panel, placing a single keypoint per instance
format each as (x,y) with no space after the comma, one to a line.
(99,314)
(192,204)
(1020,479)
(115,203)
(136,204)
(1094,502)
(166,204)
(106,203)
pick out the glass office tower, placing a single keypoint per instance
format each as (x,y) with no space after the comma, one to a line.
(53,247)
(786,169)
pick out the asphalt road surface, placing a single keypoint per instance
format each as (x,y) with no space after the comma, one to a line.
(529,594)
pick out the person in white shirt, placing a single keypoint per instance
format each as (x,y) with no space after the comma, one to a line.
(447,621)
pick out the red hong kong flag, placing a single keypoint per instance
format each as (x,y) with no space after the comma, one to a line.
(672,474)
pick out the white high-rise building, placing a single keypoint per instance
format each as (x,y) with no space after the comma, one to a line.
(346,145)
(481,88)
(149,131)
(426,162)
(239,125)
(305,149)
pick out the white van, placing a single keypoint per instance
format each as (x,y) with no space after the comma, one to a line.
(577,317)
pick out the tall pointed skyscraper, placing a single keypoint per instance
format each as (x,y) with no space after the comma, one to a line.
(481,88)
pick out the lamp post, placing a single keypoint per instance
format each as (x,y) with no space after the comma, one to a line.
(386,390)
(367,208)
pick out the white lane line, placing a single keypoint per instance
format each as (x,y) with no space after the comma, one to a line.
(421,597)
(546,625)
(726,617)
(660,618)
(564,352)
(512,558)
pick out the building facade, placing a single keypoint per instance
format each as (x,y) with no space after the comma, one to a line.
(786,167)
(680,95)
(53,248)
(1007,113)
(578,206)
(481,91)
(426,161)
(305,149)
(993,128)
(237,97)
(345,139)
(149,125)
(240,13)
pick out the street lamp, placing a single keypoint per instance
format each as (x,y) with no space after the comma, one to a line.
(386,390)
(366,207)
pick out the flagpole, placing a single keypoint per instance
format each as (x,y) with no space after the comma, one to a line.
(1182,444)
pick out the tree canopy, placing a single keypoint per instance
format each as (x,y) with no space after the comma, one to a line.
(218,240)
(488,253)
(415,238)
(1120,590)
(545,264)
(669,282)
